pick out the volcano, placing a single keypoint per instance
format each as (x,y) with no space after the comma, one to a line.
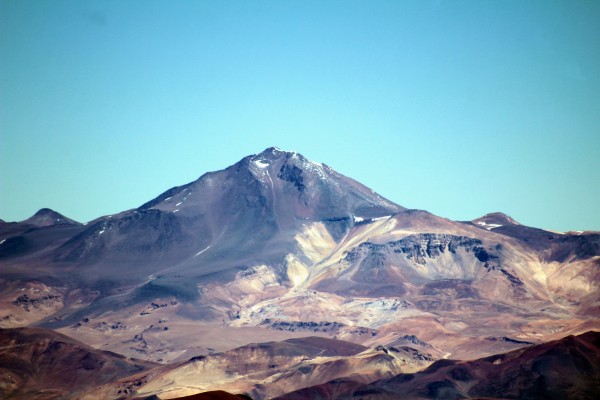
(277,247)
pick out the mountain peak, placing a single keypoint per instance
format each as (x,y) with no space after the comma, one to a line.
(313,185)
(282,160)
(275,153)
(494,220)
(48,217)
(273,150)
(268,197)
(268,156)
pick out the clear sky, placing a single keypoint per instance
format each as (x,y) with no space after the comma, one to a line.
(456,107)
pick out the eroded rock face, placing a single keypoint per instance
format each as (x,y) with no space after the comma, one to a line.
(421,260)
(46,300)
(292,174)
(424,246)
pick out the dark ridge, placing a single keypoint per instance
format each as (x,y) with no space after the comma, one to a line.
(292,174)
(508,340)
(163,196)
(551,246)
(212,395)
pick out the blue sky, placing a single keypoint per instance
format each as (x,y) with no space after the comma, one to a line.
(457,107)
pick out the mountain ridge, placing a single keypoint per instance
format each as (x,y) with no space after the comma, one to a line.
(567,368)
(276,247)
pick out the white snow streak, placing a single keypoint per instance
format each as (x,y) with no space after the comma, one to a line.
(378,218)
(274,198)
(487,226)
(361,219)
(3,240)
(261,164)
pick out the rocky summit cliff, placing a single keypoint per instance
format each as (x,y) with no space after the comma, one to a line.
(276,247)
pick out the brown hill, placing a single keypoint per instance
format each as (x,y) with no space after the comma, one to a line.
(568,368)
(41,364)
(212,395)
(265,370)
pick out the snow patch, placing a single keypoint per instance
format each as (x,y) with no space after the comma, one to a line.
(261,163)
(178,204)
(487,226)
(361,219)
(102,231)
(316,168)
(3,240)
(175,211)
(379,218)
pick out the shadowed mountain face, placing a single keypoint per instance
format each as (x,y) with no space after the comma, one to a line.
(253,207)
(41,364)
(45,229)
(277,247)
(568,368)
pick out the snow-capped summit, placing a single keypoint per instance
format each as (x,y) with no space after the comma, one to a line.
(285,185)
